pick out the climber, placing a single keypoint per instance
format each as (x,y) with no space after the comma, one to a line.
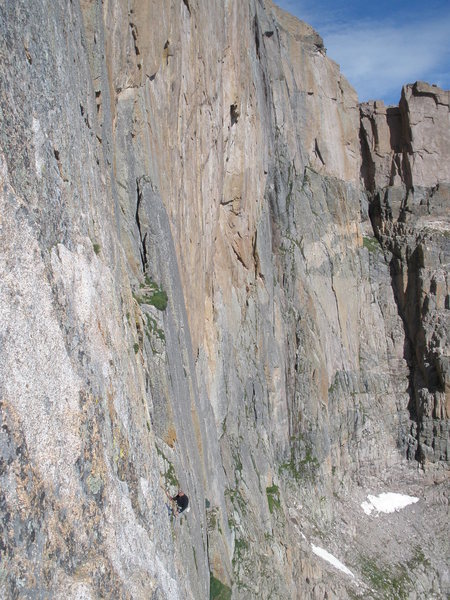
(181,501)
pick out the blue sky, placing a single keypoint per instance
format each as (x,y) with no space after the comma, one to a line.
(382,45)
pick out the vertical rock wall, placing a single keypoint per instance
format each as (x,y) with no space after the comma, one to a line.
(83,512)
(191,294)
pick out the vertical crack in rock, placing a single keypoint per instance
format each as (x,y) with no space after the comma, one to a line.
(317,151)
(134,34)
(256,35)
(186,3)
(142,237)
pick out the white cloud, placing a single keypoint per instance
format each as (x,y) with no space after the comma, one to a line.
(378,58)
(379,55)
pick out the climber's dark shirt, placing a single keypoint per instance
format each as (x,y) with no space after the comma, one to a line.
(182,502)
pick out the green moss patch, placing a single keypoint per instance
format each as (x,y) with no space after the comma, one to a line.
(169,473)
(218,590)
(151,293)
(240,548)
(273,497)
(152,328)
(392,581)
(371,243)
(301,468)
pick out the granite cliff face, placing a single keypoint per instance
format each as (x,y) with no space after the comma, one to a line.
(218,271)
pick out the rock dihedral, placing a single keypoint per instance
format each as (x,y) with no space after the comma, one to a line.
(192,294)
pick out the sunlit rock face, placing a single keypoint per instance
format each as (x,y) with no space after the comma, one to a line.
(407,144)
(218,273)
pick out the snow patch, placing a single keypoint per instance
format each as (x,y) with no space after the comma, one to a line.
(387,502)
(331,559)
